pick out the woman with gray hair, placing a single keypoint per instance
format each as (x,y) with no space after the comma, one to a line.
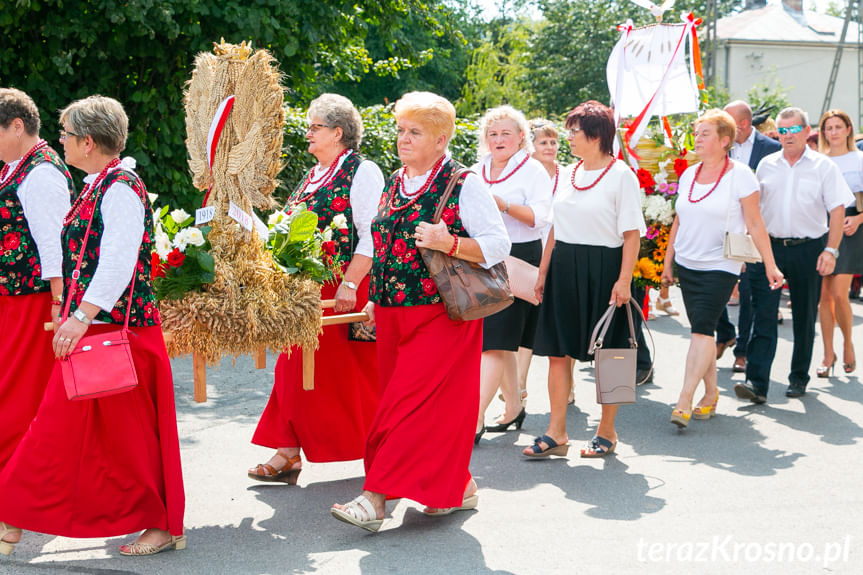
(120,454)
(330,421)
(521,188)
(35,188)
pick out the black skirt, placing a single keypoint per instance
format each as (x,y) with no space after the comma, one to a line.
(705,295)
(514,326)
(850,250)
(577,291)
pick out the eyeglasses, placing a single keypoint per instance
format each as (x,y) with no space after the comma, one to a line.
(64,134)
(791,129)
(574,131)
(313,128)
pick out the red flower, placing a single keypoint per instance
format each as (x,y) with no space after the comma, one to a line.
(86,210)
(429,287)
(399,248)
(649,191)
(176,258)
(645,178)
(413,216)
(400,296)
(680,166)
(73,246)
(343,231)
(156,268)
(329,248)
(5,213)
(338,204)
(376,240)
(409,256)
(448,216)
(12,240)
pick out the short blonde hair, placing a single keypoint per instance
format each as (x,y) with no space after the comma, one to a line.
(504,113)
(101,118)
(823,146)
(722,121)
(540,127)
(434,112)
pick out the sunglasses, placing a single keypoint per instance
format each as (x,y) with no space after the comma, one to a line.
(791,129)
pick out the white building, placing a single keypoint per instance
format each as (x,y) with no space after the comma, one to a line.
(798,47)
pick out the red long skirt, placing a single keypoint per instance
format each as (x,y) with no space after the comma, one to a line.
(420,443)
(27,360)
(331,421)
(101,467)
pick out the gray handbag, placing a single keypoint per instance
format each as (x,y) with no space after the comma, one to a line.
(614,369)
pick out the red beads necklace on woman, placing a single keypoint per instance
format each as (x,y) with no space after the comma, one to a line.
(556,176)
(325,178)
(698,172)
(596,181)
(24,161)
(79,201)
(400,187)
(506,177)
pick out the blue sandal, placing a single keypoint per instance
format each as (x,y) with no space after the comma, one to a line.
(598,447)
(552,449)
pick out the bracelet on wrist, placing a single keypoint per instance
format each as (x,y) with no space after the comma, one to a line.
(454,249)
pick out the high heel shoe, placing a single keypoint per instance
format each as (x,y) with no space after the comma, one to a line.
(849,367)
(519,419)
(827,370)
(478,435)
(266,472)
(680,417)
(6,547)
(705,411)
(138,549)
(665,305)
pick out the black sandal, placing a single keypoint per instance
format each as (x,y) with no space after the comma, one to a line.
(599,446)
(552,449)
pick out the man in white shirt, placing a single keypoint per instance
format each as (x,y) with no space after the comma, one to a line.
(799,187)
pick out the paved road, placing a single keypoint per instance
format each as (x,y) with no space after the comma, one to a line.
(758,489)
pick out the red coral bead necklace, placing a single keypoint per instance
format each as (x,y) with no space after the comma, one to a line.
(556,176)
(697,172)
(24,161)
(506,177)
(596,181)
(400,187)
(323,180)
(87,191)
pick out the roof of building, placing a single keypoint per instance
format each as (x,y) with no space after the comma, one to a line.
(776,23)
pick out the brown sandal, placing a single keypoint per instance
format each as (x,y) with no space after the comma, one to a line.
(266,472)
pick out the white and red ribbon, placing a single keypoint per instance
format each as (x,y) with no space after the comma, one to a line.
(215,134)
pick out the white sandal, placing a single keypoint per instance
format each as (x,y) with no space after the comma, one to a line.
(665,305)
(469,502)
(359,512)
(6,547)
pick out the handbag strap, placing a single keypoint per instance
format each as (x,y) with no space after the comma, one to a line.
(603,324)
(454,178)
(730,196)
(73,285)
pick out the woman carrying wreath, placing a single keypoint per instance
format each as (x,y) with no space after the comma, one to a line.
(714,196)
(331,421)
(586,266)
(35,190)
(108,466)
(419,444)
(521,189)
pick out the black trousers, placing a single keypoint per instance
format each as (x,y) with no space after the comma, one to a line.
(725,329)
(797,263)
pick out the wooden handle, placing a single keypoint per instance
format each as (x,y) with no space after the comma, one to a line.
(48,326)
(344,318)
(328,303)
(308,369)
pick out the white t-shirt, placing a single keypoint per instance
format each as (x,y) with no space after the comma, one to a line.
(600,215)
(529,186)
(851,166)
(702,225)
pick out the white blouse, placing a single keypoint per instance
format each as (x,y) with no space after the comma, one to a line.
(529,186)
(44,197)
(597,216)
(479,214)
(851,166)
(701,225)
(366,190)
(123,218)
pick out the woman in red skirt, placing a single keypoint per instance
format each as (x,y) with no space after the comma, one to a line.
(331,421)
(35,190)
(119,455)
(419,444)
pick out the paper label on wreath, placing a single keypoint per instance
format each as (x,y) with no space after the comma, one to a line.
(241,217)
(303,227)
(204,215)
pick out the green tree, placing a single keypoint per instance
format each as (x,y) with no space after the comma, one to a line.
(141,51)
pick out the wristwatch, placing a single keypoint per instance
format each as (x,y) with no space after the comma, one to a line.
(506,208)
(82,317)
(349,285)
(833,252)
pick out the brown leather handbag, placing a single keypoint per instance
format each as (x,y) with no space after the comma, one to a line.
(468,290)
(614,369)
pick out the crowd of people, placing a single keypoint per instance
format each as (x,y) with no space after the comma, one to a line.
(419,384)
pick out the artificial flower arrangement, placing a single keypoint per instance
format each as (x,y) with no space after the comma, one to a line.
(182,261)
(299,246)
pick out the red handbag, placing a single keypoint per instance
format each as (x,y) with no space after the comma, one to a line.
(101,364)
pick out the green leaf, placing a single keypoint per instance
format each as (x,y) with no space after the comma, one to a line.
(303,227)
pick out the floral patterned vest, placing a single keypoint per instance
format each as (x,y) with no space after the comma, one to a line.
(398,276)
(20,270)
(332,199)
(144,311)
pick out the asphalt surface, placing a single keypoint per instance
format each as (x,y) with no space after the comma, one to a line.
(758,489)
